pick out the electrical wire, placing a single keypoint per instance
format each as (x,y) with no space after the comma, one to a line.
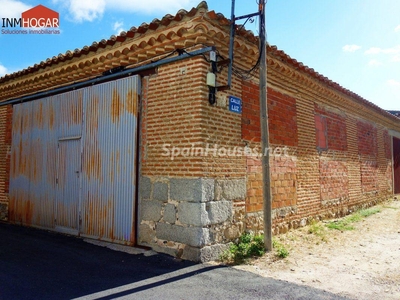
(244,74)
(205,57)
(247,74)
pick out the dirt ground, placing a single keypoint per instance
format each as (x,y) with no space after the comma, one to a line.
(359,264)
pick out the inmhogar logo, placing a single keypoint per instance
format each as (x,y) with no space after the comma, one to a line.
(39,17)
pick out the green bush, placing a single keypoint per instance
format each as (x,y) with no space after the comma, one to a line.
(246,247)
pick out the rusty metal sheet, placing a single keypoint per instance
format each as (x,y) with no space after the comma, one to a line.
(68,185)
(37,126)
(73,161)
(109,160)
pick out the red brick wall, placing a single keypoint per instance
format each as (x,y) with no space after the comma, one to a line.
(283,181)
(282,119)
(254,200)
(367,136)
(367,139)
(251,130)
(387,144)
(176,113)
(369,176)
(334,180)
(336,131)
(171,115)
(308,182)
(5,149)
(143,120)
(321,132)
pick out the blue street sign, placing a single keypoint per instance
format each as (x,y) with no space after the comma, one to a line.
(235,104)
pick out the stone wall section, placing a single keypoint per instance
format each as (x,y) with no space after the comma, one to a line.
(191,218)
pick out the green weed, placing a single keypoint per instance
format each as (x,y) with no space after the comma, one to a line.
(345,223)
(246,247)
(318,229)
(369,211)
(390,207)
(341,225)
(280,250)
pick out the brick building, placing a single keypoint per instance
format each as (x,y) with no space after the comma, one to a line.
(395,112)
(139,156)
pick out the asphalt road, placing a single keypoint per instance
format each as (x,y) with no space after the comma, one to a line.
(37,264)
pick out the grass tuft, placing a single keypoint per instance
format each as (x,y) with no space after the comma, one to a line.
(345,223)
(247,246)
(318,229)
(280,250)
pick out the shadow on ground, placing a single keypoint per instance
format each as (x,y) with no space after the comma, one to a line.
(37,264)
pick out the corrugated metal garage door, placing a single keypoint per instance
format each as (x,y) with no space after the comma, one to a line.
(73,161)
(396,164)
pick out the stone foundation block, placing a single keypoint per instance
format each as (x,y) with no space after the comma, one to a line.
(219,211)
(145,188)
(230,189)
(162,249)
(192,236)
(170,213)
(160,191)
(151,210)
(208,253)
(192,190)
(193,213)
(147,234)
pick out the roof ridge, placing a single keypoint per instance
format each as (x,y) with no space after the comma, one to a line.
(143,28)
(201,8)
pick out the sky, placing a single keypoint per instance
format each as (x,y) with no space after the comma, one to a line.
(354,43)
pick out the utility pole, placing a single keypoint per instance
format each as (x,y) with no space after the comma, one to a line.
(267,201)
(266,180)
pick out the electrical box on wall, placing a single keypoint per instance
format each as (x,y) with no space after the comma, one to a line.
(213,56)
(211,79)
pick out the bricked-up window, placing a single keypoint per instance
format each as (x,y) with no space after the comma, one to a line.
(321,132)
(387,144)
(335,128)
(367,139)
(251,130)
(282,116)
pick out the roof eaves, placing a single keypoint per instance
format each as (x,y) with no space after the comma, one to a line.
(273,50)
(222,21)
(143,28)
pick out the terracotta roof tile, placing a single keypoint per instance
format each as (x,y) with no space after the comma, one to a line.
(165,21)
(395,113)
(143,28)
(273,50)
